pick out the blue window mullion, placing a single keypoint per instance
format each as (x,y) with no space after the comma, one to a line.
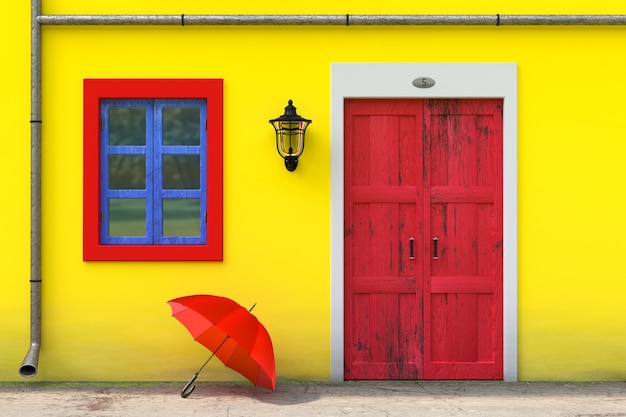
(183,150)
(152,202)
(158,172)
(104,175)
(181,194)
(203,175)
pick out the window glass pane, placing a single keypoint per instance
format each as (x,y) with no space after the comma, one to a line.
(181,172)
(181,217)
(127,126)
(127,172)
(181,126)
(127,217)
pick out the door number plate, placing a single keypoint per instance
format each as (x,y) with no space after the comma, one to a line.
(423,82)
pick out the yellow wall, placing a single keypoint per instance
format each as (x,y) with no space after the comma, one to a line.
(110,321)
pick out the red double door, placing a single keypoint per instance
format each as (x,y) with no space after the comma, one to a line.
(423,239)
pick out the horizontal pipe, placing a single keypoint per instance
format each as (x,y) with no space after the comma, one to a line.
(337,20)
(582,20)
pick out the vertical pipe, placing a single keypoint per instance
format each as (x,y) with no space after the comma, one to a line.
(29,366)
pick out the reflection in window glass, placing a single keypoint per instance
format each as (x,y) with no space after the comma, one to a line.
(181,217)
(127,217)
(181,126)
(181,172)
(127,126)
(127,172)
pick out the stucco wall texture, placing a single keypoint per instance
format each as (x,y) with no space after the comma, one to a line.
(109,321)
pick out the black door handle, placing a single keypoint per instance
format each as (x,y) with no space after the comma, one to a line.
(435,254)
(411,250)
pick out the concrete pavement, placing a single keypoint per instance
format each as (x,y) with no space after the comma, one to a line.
(309,399)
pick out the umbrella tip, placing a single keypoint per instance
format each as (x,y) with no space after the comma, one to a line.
(252,307)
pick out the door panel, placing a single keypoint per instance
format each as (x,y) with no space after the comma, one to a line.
(423,169)
(463,285)
(381,213)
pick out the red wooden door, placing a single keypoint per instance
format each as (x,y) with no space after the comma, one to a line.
(463,199)
(383,305)
(425,174)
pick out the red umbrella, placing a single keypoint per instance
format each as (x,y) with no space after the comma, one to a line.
(232,333)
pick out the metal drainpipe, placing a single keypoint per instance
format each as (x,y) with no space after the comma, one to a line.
(29,366)
(338,20)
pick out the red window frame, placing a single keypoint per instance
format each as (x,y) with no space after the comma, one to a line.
(95,90)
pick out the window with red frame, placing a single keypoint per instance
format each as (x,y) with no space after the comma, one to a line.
(152,169)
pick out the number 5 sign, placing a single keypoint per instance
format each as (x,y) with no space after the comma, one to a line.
(423,82)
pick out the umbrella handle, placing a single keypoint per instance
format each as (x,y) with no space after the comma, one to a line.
(189,387)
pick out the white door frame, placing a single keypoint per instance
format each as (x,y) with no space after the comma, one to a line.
(452,80)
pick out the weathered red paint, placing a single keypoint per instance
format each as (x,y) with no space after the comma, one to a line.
(383,304)
(423,169)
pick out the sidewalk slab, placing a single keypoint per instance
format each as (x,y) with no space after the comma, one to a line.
(310,399)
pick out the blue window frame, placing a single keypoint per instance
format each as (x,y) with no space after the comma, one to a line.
(153,172)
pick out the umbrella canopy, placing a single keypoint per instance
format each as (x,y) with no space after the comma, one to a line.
(232,333)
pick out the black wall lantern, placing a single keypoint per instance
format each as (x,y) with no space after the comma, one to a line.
(290,129)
